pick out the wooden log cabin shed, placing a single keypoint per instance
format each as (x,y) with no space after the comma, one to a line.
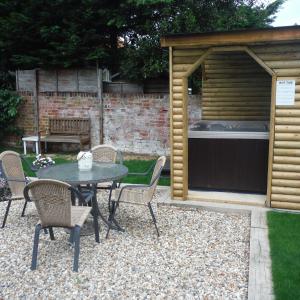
(241,71)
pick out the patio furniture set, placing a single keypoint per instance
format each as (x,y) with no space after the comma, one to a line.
(65,196)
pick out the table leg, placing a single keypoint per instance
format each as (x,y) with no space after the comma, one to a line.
(25,147)
(113,186)
(95,210)
(73,199)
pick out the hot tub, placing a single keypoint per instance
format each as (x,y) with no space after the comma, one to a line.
(230,130)
(229,156)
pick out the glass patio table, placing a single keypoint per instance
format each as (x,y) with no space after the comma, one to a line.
(100,172)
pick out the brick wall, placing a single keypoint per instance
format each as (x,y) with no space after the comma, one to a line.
(133,123)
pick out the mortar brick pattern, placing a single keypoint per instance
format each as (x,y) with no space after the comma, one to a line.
(132,123)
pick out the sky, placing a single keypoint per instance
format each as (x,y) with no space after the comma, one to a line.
(289,14)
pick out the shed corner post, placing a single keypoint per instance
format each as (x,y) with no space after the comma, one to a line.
(185,136)
(171,119)
(271,140)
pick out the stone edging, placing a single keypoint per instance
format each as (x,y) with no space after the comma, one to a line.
(260,264)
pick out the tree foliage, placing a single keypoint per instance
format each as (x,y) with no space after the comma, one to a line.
(122,35)
(9,104)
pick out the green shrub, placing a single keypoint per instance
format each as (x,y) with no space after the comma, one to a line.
(9,104)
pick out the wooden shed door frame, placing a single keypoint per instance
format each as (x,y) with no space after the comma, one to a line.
(189,72)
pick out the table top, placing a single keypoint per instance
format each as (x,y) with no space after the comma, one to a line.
(69,172)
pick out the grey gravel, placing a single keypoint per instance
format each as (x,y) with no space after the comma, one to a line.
(200,255)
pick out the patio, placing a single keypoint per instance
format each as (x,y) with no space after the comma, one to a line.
(200,254)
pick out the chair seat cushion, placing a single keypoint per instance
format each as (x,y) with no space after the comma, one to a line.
(79,214)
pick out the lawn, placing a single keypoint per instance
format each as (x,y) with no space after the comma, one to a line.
(134,166)
(284,236)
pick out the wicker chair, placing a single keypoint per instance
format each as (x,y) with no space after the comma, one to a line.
(106,153)
(52,199)
(12,169)
(138,194)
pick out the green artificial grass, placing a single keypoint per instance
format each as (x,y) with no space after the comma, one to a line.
(284,236)
(142,166)
(30,159)
(134,166)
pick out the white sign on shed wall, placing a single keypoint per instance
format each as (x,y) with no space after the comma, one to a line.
(285,92)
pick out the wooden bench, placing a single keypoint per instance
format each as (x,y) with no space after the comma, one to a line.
(68,130)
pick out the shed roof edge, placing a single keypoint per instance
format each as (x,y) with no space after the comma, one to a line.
(246,36)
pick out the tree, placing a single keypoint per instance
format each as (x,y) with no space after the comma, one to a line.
(9,104)
(122,35)
(143,56)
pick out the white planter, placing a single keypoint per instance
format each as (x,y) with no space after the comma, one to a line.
(85,160)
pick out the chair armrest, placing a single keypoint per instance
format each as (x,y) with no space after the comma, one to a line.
(140,186)
(132,187)
(143,173)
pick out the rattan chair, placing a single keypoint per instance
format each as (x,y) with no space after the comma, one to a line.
(138,194)
(105,153)
(52,199)
(11,166)
(109,154)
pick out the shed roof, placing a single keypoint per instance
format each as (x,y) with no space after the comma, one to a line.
(246,36)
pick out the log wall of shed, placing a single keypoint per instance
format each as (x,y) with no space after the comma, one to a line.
(284,60)
(235,87)
(181,60)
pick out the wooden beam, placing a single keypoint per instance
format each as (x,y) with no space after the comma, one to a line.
(198,62)
(185,137)
(229,49)
(290,33)
(171,118)
(259,61)
(271,140)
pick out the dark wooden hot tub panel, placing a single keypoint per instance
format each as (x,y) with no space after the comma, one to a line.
(228,164)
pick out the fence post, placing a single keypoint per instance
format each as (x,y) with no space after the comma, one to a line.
(100,99)
(36,108)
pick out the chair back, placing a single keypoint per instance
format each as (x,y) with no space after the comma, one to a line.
(13,169)
(52,199)
(104,153)
(156,174)
(69,126)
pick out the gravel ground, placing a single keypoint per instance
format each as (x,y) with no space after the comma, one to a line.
(200,255)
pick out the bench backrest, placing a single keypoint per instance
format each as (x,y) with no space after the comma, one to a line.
(69,126)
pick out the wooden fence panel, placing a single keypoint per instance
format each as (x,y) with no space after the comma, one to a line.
(71,80)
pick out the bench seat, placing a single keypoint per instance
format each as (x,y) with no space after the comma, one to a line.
(66,139)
